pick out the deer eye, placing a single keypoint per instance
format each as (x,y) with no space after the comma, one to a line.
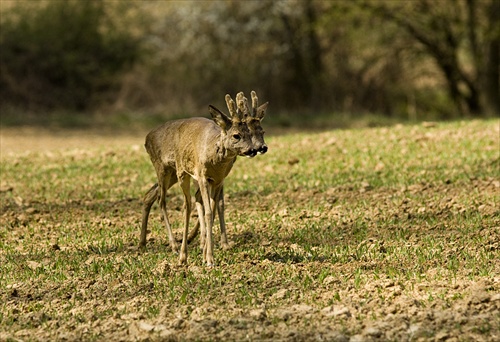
(236,136)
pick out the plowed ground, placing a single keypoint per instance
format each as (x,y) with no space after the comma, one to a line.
(381,234)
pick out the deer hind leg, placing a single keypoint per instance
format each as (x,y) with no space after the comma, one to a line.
(167,181)
(185,185)
(150,197)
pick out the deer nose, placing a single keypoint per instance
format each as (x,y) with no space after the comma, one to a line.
(263,149)
(251,153)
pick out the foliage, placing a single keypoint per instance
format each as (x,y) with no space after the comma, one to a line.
(403,59)
(61,54)
(462,37)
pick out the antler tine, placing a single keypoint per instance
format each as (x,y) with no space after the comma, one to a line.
(255,103)
(232,107)
(242,103)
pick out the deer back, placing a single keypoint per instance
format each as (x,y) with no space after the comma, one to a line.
(200,146)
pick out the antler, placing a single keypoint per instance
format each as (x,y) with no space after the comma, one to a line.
(258,112)
(255,103)
(242,103)
(232,108)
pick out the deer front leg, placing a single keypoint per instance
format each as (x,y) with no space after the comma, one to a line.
(196,229)
(185,185)
(220,210)
(201,222)
(205,189)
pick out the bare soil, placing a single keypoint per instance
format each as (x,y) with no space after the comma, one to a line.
(336,307)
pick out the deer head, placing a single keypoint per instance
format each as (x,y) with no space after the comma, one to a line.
(235,136)
(252,118)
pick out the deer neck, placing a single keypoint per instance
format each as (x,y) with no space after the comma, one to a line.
(222,153)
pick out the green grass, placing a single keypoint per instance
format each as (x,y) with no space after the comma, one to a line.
(331,217)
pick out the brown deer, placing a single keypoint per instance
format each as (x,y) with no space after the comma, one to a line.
(195,148)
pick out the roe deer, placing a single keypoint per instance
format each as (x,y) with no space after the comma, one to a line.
(195,148)
(253,120)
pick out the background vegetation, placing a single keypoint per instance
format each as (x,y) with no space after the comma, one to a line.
(402,59)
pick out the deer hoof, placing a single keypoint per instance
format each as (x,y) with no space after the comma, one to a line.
(175,248)
(227,246)
(210,262)
(183,260)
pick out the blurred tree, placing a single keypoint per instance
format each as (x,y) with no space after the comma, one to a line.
(61,53)
(227,46)
(304,57)
(463,38)
(406,59)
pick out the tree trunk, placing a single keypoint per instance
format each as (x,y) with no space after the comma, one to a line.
(473,92)
(492,75)
(305,55)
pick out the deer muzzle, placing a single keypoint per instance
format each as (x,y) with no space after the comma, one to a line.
(250,153)
(262,149)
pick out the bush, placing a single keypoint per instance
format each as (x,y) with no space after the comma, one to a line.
(61,54)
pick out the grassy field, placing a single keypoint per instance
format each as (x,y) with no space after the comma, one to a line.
(383,234)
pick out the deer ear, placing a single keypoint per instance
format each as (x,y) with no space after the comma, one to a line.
(261,111)
(221,119)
